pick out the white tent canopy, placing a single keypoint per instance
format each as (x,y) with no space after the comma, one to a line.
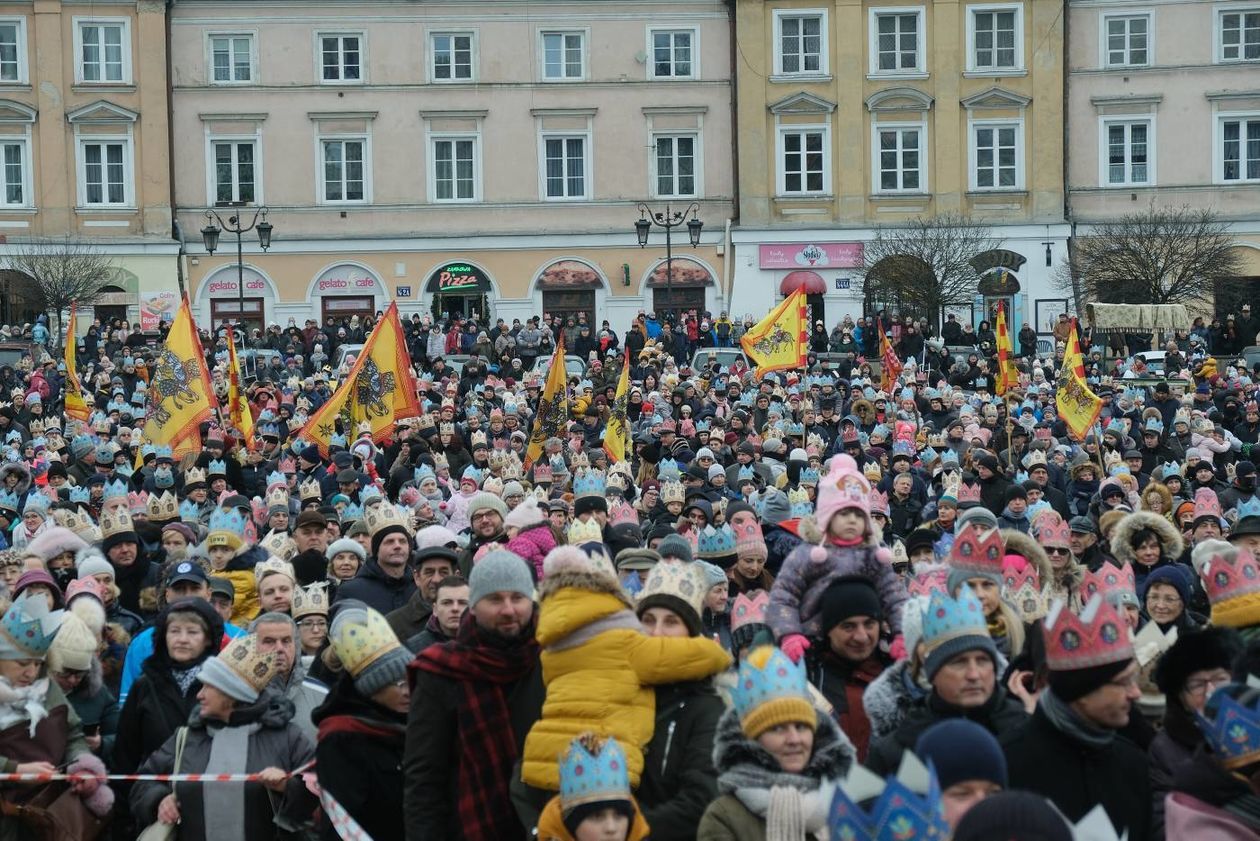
(1137,318)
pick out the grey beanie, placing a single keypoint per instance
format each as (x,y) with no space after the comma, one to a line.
(499,571)
(713,574)
(675,546)
(513,488)
(214,672)
(390,668)
(977,516)
(90,562)
(777,508)
(345,544)
(483,500)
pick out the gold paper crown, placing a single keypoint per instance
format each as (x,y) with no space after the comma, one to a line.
(498,459)
(360,638)
(116,521)
(365,428)
(585,532)
(278,497)
(255,667)
(425,421)
(683,581)
(194,475)
(797,496)
(446,428)
(273,566)
(310,490)
(310,600)
(579,462)
(279,544)
(673,492)
(377,517)
(478,439)
(163,506)
(872,471)
(617,481)
(512,470)
(78,522)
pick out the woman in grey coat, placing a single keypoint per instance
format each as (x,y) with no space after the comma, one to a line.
(239,726)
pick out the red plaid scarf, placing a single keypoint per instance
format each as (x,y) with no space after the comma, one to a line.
(482,665)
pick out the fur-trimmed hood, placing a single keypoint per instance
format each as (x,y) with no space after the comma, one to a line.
(596,582)
(23,473)
(1018,543)
(744,763)
(1164,493)
(890,697)
(1170,540)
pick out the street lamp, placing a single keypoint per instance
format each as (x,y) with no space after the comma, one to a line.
(669,219)
(210,237)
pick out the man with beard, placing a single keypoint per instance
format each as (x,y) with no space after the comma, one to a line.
(431,565)
(473,702)
(485,516)
(383,583)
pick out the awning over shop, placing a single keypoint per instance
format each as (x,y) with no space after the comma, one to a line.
(1137,318)
(685,272)
(811,282)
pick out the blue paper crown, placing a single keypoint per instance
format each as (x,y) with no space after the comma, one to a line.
(899,813)
(947,619)
(424,472)
(189,511)
(80,494)
(593,776)
(747,472)
(227,519)
(716,542)
(809,476)
(371,492)
(148,450)
(36,502)
(1154,425)
(30,625)
(778,678)
(1234,732)
(558,465)
(703,426)
(669,471)
(471,473)
(881,430)
(216,467)
(352,512)
(9,501)
(165,452)
(796,429)
(903,448)
(337,440)
(748,398)
(275,478)
(116,489)
(1115,425)
(802,508)
(269,430)
(1250,508)
(588,483)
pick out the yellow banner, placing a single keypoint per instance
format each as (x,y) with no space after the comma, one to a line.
(76,405)
(778,341)
(238,407)
(617,432)
(380,390)
(553,407)
(1007,375)
(1072,356)
(180,397)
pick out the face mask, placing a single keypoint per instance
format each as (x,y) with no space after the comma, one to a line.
(1247,483)
(163,478)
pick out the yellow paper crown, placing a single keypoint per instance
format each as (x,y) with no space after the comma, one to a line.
(360,638)
(116,521)
(310,600)
(163,506)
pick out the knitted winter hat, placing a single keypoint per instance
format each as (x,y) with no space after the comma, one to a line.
(486,501)
(843,488)
(499,571)
(962,750)
(91,562)
(849,596)
(525,515)
(675,546)
(345,544)
(240,671)
(74,647)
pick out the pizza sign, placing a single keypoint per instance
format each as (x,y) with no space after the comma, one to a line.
(458,278)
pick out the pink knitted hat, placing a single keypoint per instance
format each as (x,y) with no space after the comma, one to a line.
(842,488)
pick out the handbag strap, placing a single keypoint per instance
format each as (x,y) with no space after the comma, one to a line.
(181,739)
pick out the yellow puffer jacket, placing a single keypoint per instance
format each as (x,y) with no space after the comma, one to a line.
(599,667)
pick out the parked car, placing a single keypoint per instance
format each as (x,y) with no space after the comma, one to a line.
(725,356)
(1154,360)
(339,356)
(574,366)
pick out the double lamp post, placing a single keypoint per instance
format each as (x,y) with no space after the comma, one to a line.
(210,237)
(669,219)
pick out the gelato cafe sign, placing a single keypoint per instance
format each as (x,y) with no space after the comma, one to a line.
(225,283)
(346,280)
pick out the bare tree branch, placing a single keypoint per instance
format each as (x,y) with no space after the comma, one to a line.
(923,266)
(64,270)
(1160,256)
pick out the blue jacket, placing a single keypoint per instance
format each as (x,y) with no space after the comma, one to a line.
(141,649)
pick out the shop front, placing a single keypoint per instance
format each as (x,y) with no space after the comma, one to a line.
(823,270)
(569,288)
(459,289)
(345,291)
(219,298)
(681,285)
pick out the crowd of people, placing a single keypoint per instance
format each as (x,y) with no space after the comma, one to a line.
(802,606)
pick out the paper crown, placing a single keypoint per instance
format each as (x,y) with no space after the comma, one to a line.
(1023,590)
(1206,504)
(138,503)
(1250,508)
(1233,587)
(977,551)
(749,539)
(673,492)
(879,503)
(593,770)
(278,498)
(542,473)
(255,667)
(616,483)
(798,498)
(30,626)
(668,471)
(809,476)
(716,542)
(968,493)
(620,511)
(116,521)
(310,489)
(311,600)
(906,806)
(163,506)
(36,502)
(287,466)
(587,482)
(579,461)
(217,467)
(682,581)
(770,690)
(1108,581)
(949,619)
(189,511)
(277,479)
(383,515)
(116,489)
(76,495)
(1233,732)
(589,531)
(194,476)
(273,566)
(1095,637)
(1034,458)
(1050,529)
(749,610)
(279,544)
(226,528)
(360,637)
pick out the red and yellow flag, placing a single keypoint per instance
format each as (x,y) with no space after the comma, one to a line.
(553,407)
(1007,374)
(379,391)
(1072,352)
(780,340)
(890,366)
(180,397)
(238,407)
(617,432)
(1075,402)
(76,405)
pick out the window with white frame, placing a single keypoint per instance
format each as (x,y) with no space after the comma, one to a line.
(343,170)
(673,55)
(675,165)
(997,162)
(1240,149)
(13,50)
(15,171)
(801,43)
(104,51)
(804,165)
(235,171)
(1127,146)
(565,166)
(105,172)
(896,41)
(231,59)
(1127,40)
(996,38)
(1239,34)
(564,55)
(452,56)
(456,166)
(341,57)
(899,159)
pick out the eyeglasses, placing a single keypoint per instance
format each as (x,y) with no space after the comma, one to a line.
(1199,686)
(1170,598)
(313,624)
(1057,550)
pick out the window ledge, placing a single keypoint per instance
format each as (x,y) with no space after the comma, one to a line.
(1012,73)
(17,211)
(102,87)
(112,210)
(801,78)
(817,198)
(900,196)
(16,87)
(885,77)
(1122,187)
(998,192)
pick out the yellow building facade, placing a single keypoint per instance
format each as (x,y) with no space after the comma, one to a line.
(858,115)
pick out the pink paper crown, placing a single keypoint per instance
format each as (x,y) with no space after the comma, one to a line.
(929,582)
(542,472)
(138,502)
(1052,530)
(1096,637)
(620,511)
(977,551)
(287,465)
(968,493)
(879,502)
(1206,504)
(1015,579)
(1229,583)
(748,611)
(748,532)
(1107,580)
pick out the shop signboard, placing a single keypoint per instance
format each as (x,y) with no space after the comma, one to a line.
(156,307)
(795,255)
(457,278)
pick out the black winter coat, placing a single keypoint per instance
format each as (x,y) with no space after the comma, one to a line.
(1001,715)
(679,780)
(376,589)
(359,760)
(1076,777)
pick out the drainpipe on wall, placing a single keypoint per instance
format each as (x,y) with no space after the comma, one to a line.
(728,264)
(728,269)
(176,233)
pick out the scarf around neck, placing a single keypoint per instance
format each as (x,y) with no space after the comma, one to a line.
(19,704)
(223,804)
(1066,720)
